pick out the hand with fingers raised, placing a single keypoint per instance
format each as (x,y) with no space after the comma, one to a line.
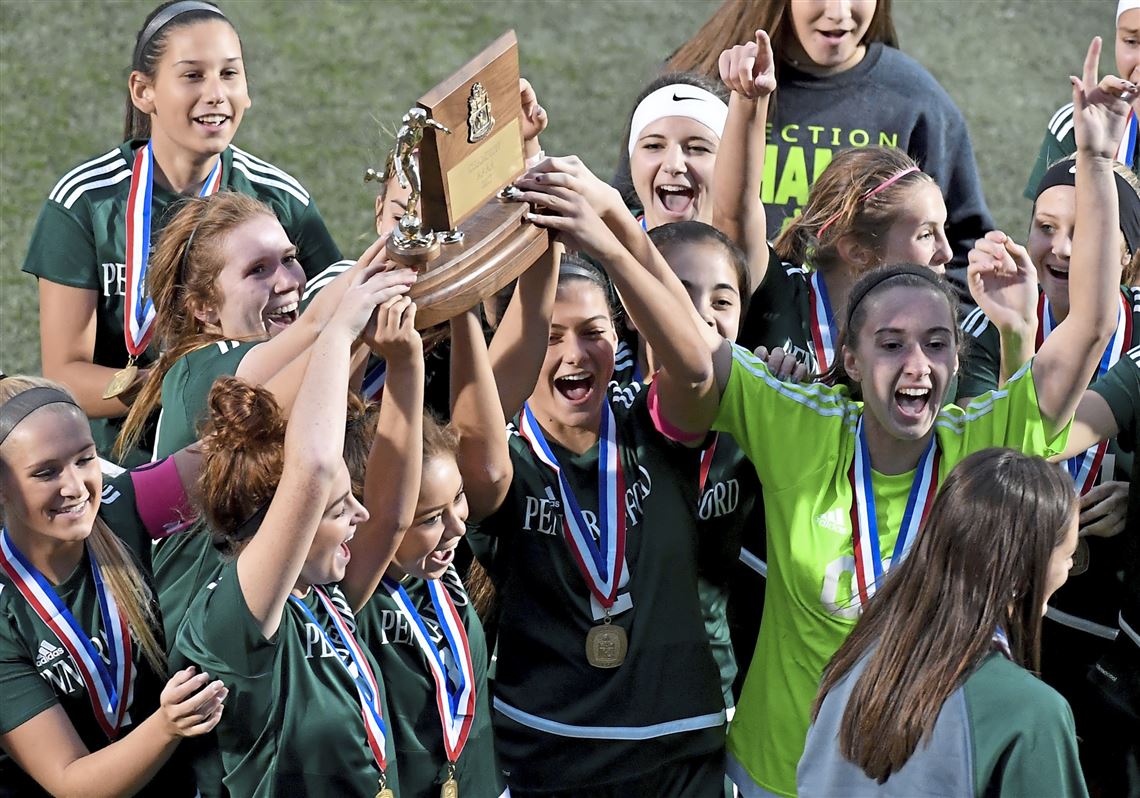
(1100,108)
(750,69)
(373,285)
(393,334)
(1003,281)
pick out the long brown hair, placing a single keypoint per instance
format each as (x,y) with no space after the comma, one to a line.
(116,563)
(980,562)
(838,202)
(145,59)
(181,279)
(736,22)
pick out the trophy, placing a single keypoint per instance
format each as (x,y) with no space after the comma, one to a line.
(458,152)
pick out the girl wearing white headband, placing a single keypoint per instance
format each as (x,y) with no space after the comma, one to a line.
(674,134)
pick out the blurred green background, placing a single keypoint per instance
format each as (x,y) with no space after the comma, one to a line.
(326,74)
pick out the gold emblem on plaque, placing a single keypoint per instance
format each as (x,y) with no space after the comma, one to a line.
(606,645)
(479,119)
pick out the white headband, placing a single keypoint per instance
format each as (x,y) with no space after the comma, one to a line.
(679,99)
(1126,5)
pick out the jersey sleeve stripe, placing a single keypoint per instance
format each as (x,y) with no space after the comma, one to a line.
(1064,131)
(975,322)
(256,178)
(709,721)
(1065,112)
(981,406)
(94,162)
(88,176)
(325,277)
(108,181)
(266,168)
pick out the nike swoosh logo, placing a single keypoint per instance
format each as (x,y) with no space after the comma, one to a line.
(677,99)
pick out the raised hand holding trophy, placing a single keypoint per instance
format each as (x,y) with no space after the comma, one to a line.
(456,151)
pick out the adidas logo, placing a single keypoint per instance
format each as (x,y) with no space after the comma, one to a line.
(48,653)
(834,520)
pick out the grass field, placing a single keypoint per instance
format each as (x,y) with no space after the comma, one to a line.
(324,74)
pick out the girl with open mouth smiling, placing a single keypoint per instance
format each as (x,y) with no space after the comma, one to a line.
(835,523)
(187,97)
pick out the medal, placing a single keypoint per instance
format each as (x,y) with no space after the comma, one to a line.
(455,700)
(1084,468)
(822,334)
(124,378)
(1080,558)
(606,645)
(869,566)
(367,689)
(600,562)
(385,793)
(139,313)
(109,688)
(450,787)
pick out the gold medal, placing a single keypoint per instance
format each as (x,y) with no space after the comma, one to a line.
(1080,558)
(450,789)
(385,793)
(606,645)
(122,381)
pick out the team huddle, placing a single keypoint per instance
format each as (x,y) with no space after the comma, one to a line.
(781,472)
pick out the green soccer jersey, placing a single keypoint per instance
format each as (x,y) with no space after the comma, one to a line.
(1060,142)
(801,439)
(293,722)
(80,239)
(183,565)
(37,672)
(1002,732)
(416,727)
(186,387)
(561,724)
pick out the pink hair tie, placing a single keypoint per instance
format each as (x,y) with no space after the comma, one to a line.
(890,181)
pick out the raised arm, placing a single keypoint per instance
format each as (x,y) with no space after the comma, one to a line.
(1068,358)
(519,344)
(748,70)
(270,564)
(484,458)
(392,477)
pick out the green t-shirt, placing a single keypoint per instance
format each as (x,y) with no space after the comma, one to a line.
(186,387)
(293,723)
(37,672)
(80,240)
(386,632)
(801,439)
(561,724)
(183,565)
(1002,732)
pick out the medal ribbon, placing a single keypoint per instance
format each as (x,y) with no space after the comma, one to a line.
(600,562)
(1125,153)
(367,690)
(374,381)
(822,321)
(1001,643)
(109,689)
(865,523)
(1084,468)
(139,322)
(706,463)
(456,703)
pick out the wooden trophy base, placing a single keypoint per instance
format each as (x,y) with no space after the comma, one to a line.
(498,245)
(412,254)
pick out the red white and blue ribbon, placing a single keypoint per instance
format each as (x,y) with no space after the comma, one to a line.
(1001,643)
(869,566)
(108,687)
(374,380)
(139,322)
(822,322)
(600,562)
(367,689)
(455,702)
(1126,152)
(1084,468)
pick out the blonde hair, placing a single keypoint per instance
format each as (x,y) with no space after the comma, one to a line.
(116,563)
